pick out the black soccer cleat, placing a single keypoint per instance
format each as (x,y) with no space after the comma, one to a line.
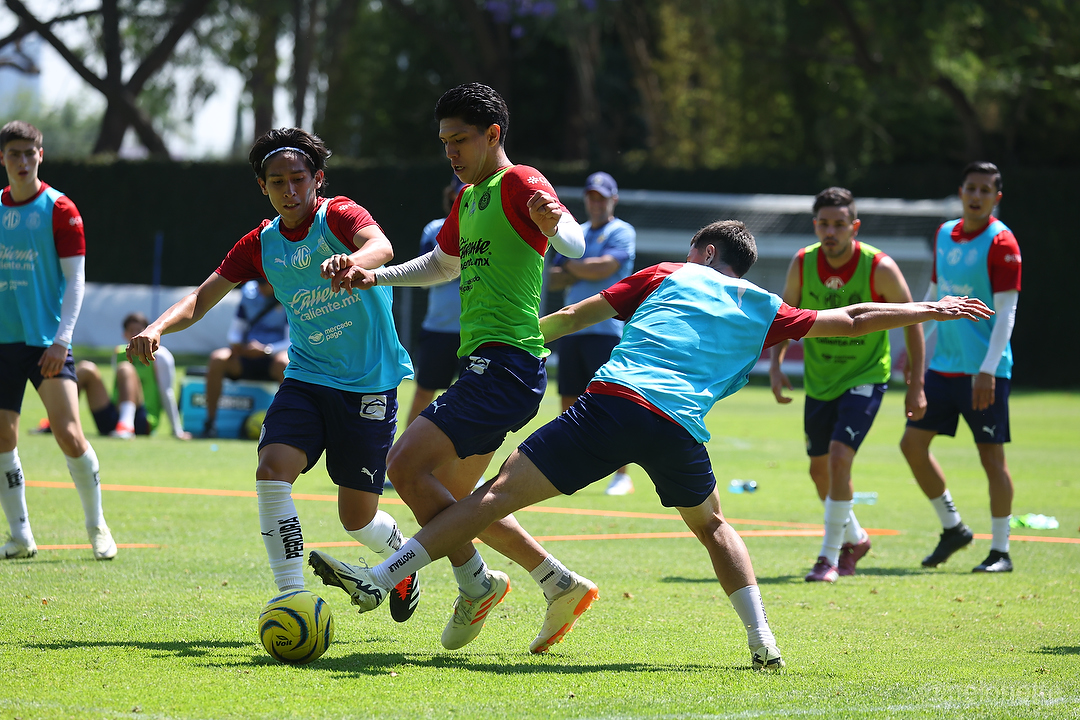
(404,597)
(951,540)
(995,562)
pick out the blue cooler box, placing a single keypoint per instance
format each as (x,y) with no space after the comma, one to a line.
(239,399)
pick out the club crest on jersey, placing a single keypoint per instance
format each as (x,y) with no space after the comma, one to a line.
(954,256)
(11,220)
(33,220)
(323,248)
(373,407)
(301,259)
(834,283)
(478,364)
(485,199)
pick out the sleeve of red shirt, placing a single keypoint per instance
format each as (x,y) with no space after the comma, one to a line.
(345,218)
(68,228)
(244,261)
(449,235)
(518,185)
(790,324)
(627,295)
(1003,261)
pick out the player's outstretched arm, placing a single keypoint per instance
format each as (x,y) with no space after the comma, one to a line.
(575,317)
(185,313)
(864,318)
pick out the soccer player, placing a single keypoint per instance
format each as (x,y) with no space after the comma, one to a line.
(140,394)
(440,332)
(258,347)
(609,256)
(345,362)
(42,267)
(971,365)
(495,238)
(693,332)
(845,377)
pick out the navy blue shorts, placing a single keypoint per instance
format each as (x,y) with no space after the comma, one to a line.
(601,433)
(437,359)
(107,417)
(947,398)
(580,356)
(498,391)
(845,419)
(19,363)
(355,429)
(255,368)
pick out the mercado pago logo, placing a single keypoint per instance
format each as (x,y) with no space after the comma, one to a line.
(17,258)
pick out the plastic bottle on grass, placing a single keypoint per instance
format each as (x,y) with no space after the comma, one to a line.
(865,498)
(737,487)
(1035,522)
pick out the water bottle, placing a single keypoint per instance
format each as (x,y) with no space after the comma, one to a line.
(1035,522)
(737,487)
(865,498)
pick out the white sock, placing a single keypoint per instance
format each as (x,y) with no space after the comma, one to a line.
(472,576)
(747,603)
(281,533)
(411,557)
(1000,528)
(381,535)
(127,414)
(84,471)
(854,533)
(946,511)
(552,577)
(837,513)
(13,497)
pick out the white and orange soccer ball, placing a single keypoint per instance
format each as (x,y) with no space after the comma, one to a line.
(296,627)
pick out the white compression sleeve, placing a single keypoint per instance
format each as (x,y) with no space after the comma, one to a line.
(74,269)
(165,374)
(1004,320)
(431,269)
(568,239)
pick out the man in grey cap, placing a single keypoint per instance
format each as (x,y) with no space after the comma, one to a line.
(608,258)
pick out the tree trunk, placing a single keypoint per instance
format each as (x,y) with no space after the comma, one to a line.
(264,76)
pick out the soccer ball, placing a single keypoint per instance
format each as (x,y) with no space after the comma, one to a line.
(252,427)
(296,627)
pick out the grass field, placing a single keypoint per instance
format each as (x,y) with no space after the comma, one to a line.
(167,629)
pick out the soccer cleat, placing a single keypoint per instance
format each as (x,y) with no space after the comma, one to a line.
(851,554)
(14,550)
(563,611)
(621,484)
(124,432)
(404,598)
(470,613)
(995,562)
(209,430)
(102,542)
(822,571)
(767,657)
(952,539)
(353,579)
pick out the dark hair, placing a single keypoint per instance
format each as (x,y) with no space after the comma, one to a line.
(135,317)
(19,130)
(835,197)
(984,168)
(477,105)
(310,146)
(734,244)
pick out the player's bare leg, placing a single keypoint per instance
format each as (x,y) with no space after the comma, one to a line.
(915,445)
(1000,483)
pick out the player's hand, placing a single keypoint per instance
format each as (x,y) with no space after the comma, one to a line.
(143,346)
(778,381)
(182,435)
(334,264)
(52,360)
(915,401)
(982,391)
(545,211)
(952,307)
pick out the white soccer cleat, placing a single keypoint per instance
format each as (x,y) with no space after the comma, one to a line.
(563,611)
(14,550)
(470,613)
(767,657)
(356,580)
(621,484)
(102,542)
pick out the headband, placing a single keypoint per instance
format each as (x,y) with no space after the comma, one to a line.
(277,150)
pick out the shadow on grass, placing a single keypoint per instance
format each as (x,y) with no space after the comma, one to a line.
(177,648)
(1058,650)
